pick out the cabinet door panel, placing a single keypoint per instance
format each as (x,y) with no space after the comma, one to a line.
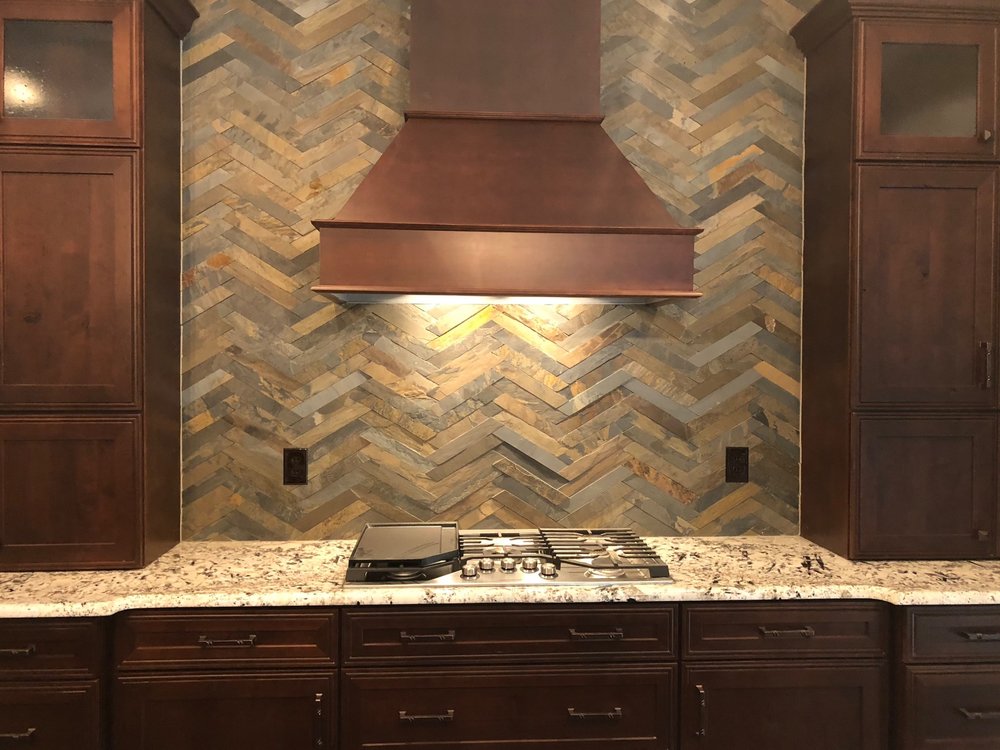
(765,706)
(926,487)
(630,708)
(68,493)
(929,90)
(951,707)
(67,293)
(50,716)
(251,711)
(68,70)
(925,286)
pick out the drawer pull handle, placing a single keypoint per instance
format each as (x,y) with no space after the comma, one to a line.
(971,636)
(980,715)
(702,709)
(449,715)
(986,348)
(318,720)
(28,650)
(249,642)
(25,736)
(613,715)
(613,635)
(806,632)
(418,637)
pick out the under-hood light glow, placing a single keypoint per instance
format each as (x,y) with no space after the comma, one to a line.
(432,299)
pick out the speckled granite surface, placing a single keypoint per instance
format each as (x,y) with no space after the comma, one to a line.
(254,574)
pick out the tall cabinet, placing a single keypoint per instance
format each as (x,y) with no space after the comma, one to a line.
(900,364)
(89,281)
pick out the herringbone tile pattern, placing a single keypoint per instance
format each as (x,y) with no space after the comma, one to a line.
(491,415)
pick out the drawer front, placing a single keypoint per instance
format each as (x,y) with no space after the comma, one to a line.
(951,707)
(456,635)
(782,630)
(951,634)
(33,649)
(50,716)
(530,709)
(189,640)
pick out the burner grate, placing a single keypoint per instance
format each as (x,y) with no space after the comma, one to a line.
(502,543)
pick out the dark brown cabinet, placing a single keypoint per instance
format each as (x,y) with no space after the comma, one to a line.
(89,273)
(51,715)
(949,678)
(784,676)
(899,361)
(255,711)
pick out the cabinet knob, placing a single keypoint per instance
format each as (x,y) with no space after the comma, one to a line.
(986,136)
(983,535)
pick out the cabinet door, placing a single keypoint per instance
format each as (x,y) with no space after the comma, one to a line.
(68,71)
(925,288)
(763,706)
(929,90)
(252,711)
(50,716)
(950,708)
(926,487)
(68,493)
(68,275)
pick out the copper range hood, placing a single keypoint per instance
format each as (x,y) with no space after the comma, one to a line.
(502,182)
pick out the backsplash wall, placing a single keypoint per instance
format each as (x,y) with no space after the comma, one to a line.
(575,415)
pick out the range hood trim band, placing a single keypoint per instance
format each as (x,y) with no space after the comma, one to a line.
(665,231)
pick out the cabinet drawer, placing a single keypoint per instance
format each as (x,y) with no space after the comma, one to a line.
(189,640)
(951,707)
(530,709)
(455,635)
(50,716)
(782,630)
(32,649)
(951,634)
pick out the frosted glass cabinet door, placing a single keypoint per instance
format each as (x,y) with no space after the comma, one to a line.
(67,71)
(929,90)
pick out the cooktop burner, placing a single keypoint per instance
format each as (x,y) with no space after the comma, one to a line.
(441,555)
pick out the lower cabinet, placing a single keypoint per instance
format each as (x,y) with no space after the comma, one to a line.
(784,706)
(51,715)
(250,711)
(631,708)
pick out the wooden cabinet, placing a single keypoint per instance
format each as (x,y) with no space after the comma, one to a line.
(190,679)
(949,678)
(89,271)
(783,676)
(255,711)
(51,677)
(899,361)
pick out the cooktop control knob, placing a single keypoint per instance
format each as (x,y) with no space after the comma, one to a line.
(507,565)
(548,570)
(469,570)
(529,564)
(486,565)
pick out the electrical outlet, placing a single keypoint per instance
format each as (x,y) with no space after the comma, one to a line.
(295,463)
(737,464)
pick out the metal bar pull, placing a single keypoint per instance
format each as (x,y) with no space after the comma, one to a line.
(702,709)
(25,736)
(249,642)
(974,636)
(980,715)
(612,635)
(806,632)
(613,715)
(986,352)
(318,720)
(448,635)
(448,715)
(28,650)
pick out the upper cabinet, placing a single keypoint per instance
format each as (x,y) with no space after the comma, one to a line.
(928,90)
(68,72)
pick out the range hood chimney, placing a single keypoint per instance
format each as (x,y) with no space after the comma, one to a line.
(502,182)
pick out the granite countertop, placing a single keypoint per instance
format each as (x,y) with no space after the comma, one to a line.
(271,574)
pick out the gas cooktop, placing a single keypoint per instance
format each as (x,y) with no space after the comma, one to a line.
(441,555)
